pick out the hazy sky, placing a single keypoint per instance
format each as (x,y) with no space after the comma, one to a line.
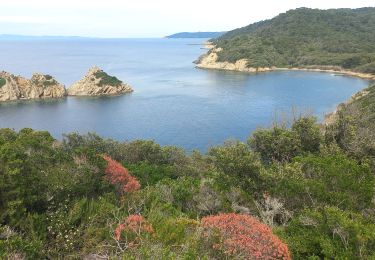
(145,18)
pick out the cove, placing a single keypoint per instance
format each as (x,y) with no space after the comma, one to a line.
(173,102)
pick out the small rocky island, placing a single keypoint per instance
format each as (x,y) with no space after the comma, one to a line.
(98,83)
(38,87)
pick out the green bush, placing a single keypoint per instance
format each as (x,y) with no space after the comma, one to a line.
(56,201)
(105,79)
(315,181)
(2,82)
(330,233)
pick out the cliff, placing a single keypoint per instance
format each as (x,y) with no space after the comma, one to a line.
(38,87)
(98,83)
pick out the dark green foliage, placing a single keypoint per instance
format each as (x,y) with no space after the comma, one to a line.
(105,79)
(306,37)
(353,126)
(276,144)
(2,82)
(330,233)
(317,193)
(48,77)
(237,161)
(282,144)
(334,180)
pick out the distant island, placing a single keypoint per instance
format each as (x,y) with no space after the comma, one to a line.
(195,35)
(339,40)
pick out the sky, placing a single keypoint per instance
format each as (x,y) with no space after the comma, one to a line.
(145,18)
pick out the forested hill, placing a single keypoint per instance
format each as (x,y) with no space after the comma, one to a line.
(305,37)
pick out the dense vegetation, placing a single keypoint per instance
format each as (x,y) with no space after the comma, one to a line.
(106,79)
(2,82)
(304,192)
(337,38)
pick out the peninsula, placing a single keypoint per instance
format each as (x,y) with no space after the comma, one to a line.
(336,40)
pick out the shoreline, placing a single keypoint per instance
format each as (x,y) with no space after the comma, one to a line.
(209,61)
(266,69)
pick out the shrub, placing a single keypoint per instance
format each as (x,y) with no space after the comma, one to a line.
(333,180)
(120,177)
(275,144)
(242,236)
(282,144)
(48,77)
(237,161)
(330,233)
(2,82)
(105,79)
(133,227)
(308,132)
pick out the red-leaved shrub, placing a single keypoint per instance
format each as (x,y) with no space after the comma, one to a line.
(134,226)
(244,236)
(119,176)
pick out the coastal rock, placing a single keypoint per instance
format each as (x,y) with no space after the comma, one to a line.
(98,83)
(210,61)
(38,87)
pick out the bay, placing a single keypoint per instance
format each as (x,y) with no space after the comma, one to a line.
(173,103)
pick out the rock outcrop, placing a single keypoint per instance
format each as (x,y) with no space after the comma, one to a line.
(98,83)
(38,87)
(210,61)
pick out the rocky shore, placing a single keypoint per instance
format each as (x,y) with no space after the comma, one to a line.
(210,61)
(98,83)
(38,87)
(95,83)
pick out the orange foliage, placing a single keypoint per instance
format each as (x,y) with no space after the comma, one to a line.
(245,236)
(119,176)
(135,225)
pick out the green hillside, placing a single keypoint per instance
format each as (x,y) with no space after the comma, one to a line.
(306,37)
(305,192)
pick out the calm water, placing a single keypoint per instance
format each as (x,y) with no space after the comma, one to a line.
(173,102)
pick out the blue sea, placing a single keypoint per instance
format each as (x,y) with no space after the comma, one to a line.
(173,103)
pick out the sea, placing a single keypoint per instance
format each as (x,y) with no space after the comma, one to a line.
(173,102)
